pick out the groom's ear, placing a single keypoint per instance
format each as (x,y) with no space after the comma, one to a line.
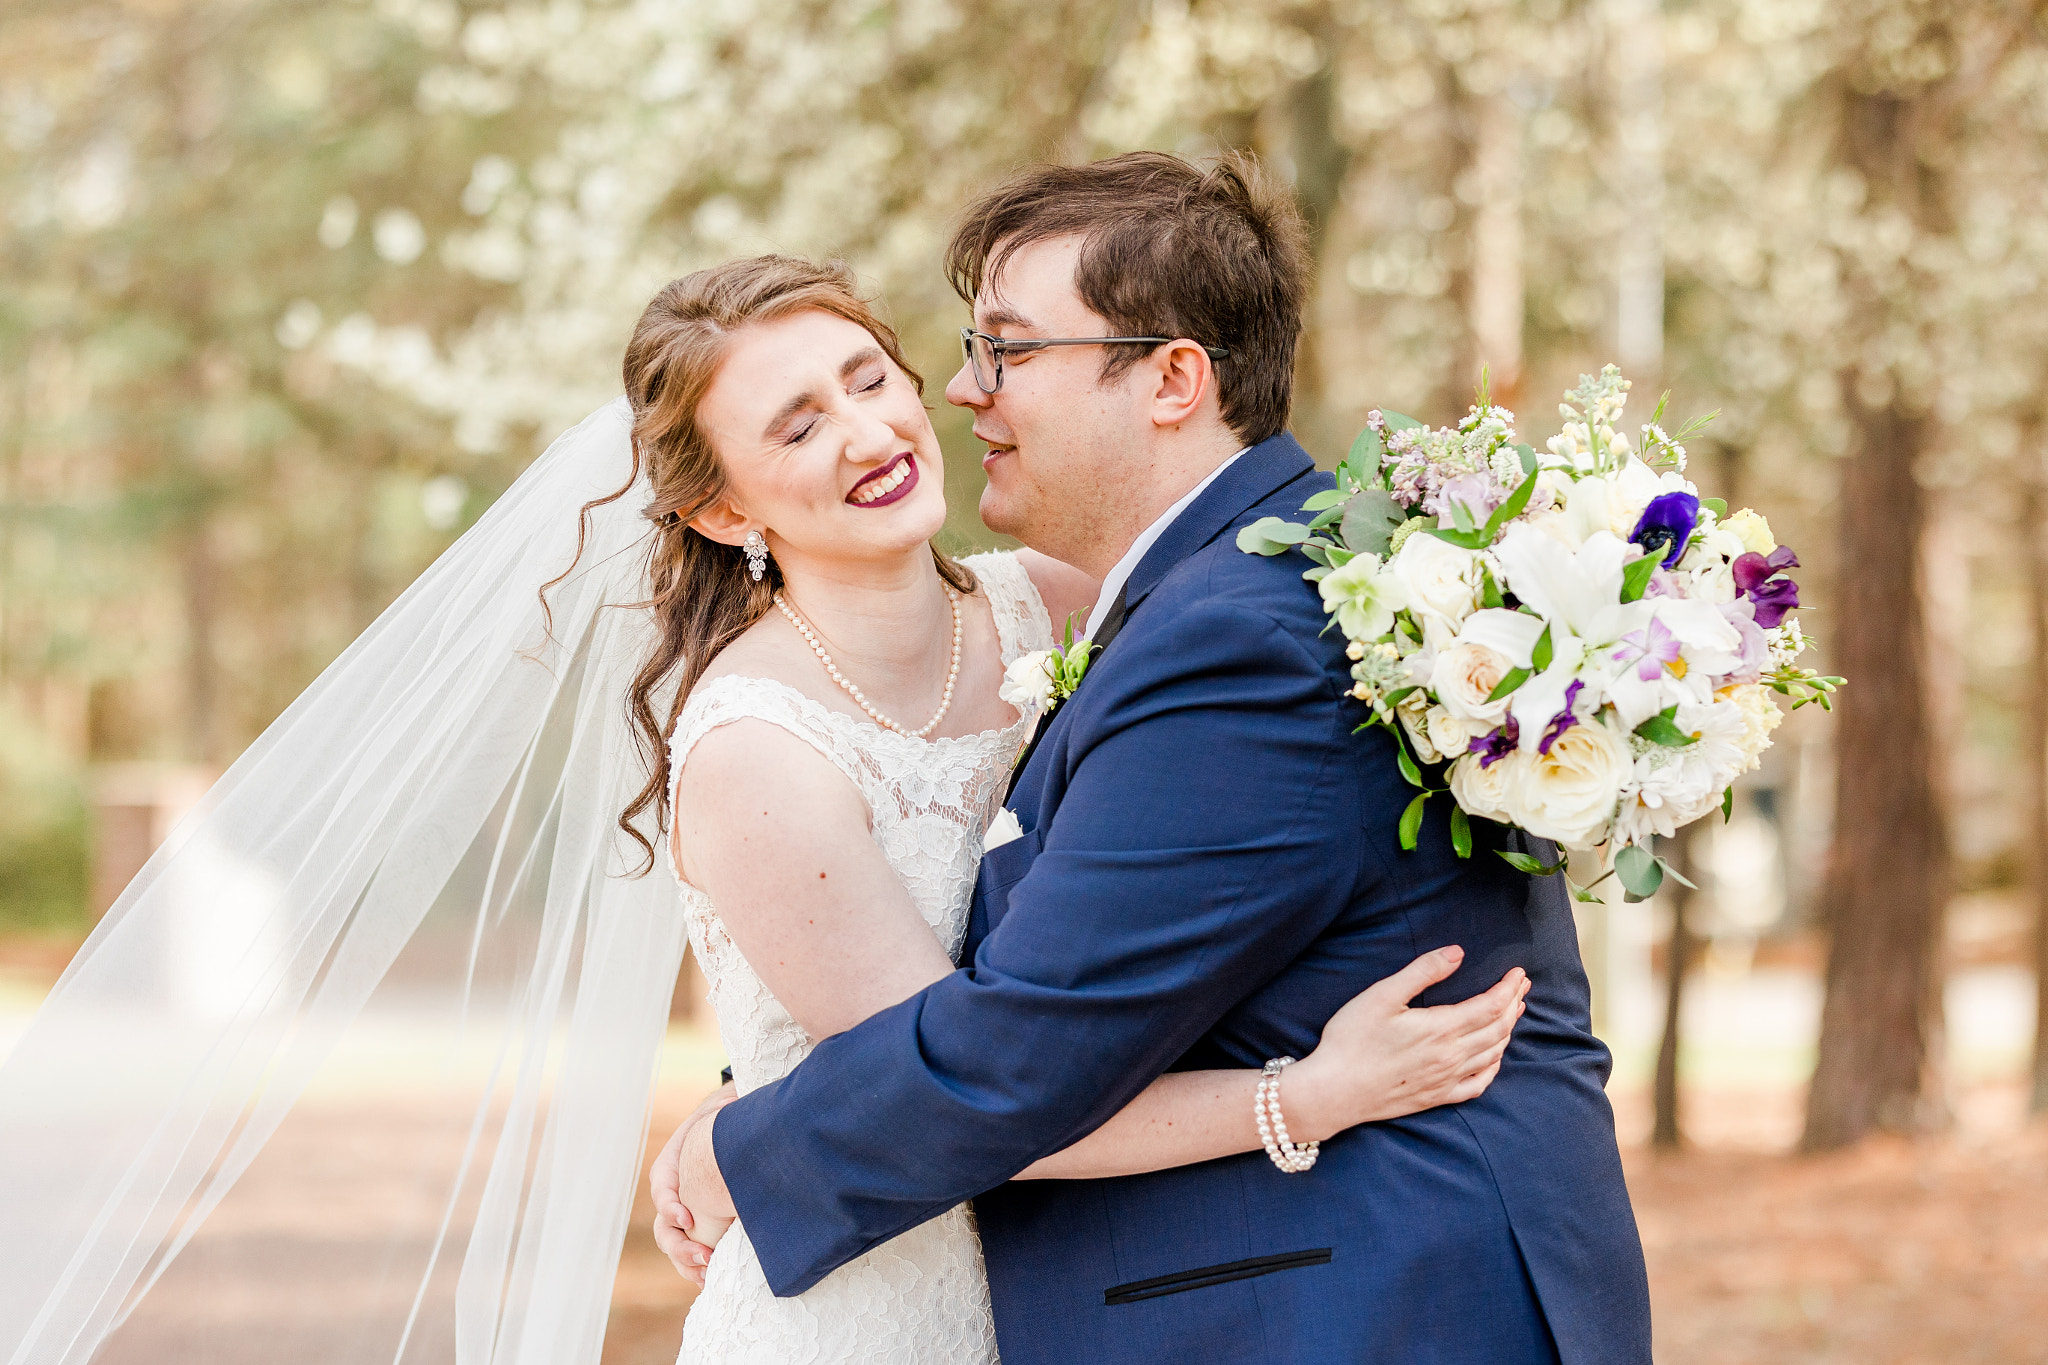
(722,522)
(1184,378)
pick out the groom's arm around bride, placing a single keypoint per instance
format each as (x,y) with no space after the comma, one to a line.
(1209,869)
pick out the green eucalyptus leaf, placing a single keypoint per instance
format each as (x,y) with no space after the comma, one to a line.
(1635,578)
(1323,501)
(1271,536)
(1676,875)
(1640,871)
(1397,421)
(1361,466)
(1317,550)
(1317,574)
(1370,520)
(1718,506)
(1528,454)
(1461,832)
(1411,822)
(1461,515)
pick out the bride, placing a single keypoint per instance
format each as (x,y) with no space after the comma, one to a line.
(437,897)
(841,746)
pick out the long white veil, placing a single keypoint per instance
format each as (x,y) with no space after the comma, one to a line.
(401,923)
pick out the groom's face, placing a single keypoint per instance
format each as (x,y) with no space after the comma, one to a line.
(1061,443)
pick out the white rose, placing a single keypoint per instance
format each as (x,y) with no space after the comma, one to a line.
(1465,676)
(1483,791)
(1027,683)
(1451,735)
(1569,794)
(1760,716)
(1440,579)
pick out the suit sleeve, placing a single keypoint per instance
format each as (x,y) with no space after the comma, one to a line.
(1190,860)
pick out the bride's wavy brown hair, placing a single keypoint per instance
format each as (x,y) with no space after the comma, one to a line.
(700,592)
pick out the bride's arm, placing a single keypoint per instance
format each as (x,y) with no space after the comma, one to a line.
(780,841)
(1378,1059)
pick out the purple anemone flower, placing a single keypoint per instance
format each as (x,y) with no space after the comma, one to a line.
(1562,721)
(1756,578)
(1668,521)
(1492,748)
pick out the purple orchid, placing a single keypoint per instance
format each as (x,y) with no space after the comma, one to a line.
(1494,747)
(1655,648)
(1756,579)
(1668,520)
(1562,721)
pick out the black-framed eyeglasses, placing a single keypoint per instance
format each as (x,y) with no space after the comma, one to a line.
(985,353)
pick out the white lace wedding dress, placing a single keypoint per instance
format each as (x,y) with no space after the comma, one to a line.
(922,1298)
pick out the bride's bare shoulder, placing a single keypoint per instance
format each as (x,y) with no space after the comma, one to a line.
(1065,590)
(767,649)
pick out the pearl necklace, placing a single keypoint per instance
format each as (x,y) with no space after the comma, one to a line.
(803,628)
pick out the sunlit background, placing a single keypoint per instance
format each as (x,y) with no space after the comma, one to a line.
(290,290)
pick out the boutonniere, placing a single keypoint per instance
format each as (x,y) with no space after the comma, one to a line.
(1041,680)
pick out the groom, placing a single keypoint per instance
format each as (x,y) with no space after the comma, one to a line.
(1209,869)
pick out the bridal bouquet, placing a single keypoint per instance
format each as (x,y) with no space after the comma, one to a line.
(1590,645)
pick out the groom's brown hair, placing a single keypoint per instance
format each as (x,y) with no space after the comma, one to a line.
(1217,255)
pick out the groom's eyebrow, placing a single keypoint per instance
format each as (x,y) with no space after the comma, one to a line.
(1000,316)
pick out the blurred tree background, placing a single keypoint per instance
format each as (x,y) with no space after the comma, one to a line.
(293,289)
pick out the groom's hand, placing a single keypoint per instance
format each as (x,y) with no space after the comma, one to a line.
(674,1225)
(1382,1058)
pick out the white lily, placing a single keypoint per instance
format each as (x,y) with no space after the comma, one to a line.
(1580,589)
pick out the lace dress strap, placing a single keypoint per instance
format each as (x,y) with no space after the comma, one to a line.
(1022,622)
(733,697)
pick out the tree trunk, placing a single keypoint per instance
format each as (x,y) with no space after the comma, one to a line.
(1322,161)
(1888,872)
(1666,1134)
(202,671)
(2034,733)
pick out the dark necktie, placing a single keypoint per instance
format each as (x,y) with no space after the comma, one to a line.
(1112,622)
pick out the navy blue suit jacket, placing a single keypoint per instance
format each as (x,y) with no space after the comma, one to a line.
(1210,869)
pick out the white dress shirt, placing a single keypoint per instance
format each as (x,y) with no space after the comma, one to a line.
(1120,573)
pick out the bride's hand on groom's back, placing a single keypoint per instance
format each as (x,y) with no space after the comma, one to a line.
(676,1231)
(1381,1058)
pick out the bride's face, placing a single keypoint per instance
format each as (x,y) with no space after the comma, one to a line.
(826,445)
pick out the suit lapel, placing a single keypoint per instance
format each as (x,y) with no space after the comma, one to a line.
(1256,475)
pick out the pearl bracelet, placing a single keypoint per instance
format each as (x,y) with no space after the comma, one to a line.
(1272,1128)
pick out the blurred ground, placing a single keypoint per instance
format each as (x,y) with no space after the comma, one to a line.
(1893,1253)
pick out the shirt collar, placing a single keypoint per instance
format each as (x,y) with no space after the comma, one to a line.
(1120,573)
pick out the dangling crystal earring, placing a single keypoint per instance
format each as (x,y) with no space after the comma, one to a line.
(756,546)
